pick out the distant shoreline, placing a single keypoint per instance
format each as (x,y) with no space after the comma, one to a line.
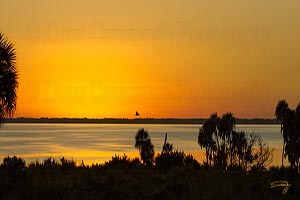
(131,121)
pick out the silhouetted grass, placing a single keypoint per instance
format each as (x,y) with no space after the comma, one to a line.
(179,177)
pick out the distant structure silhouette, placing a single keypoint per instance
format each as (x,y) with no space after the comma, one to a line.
(137,114)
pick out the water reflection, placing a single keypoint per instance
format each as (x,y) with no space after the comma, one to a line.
(99,142)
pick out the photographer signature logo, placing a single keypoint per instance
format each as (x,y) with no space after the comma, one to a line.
(283,183)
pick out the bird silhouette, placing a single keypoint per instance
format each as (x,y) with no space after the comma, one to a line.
(137,114)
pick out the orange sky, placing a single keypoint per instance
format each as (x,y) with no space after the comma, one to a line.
(162,58)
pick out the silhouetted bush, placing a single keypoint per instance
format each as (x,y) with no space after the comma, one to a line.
(122,162)
(67,164)
(189,160)
(123,178)
(12,164)
(51,162)
(170,159)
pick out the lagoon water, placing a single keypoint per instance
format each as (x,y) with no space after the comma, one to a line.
(99,142)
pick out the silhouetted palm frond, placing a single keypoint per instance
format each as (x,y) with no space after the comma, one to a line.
(8,78)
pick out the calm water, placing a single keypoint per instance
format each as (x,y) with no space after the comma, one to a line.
(98,142)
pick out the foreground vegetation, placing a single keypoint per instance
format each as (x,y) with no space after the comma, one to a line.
(179,176)
(232,170)
(290,130)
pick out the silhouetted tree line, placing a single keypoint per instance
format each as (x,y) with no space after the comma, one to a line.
(290,130)
(225,147)
(167,159)
(125,178)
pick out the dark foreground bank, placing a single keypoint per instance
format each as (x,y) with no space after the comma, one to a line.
(122,178)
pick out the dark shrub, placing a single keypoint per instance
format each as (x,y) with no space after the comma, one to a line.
(122,162)
(13,164)
(168,160)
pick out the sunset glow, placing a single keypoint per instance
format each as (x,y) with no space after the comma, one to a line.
(182,59)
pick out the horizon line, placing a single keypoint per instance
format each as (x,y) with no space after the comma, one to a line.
(132,121)
(138,118)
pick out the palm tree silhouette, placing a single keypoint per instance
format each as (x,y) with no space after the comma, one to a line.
(8,78)
(205,139)
(140,138)
(145,146)
(280,113)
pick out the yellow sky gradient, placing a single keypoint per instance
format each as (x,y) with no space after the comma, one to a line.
(163,58)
